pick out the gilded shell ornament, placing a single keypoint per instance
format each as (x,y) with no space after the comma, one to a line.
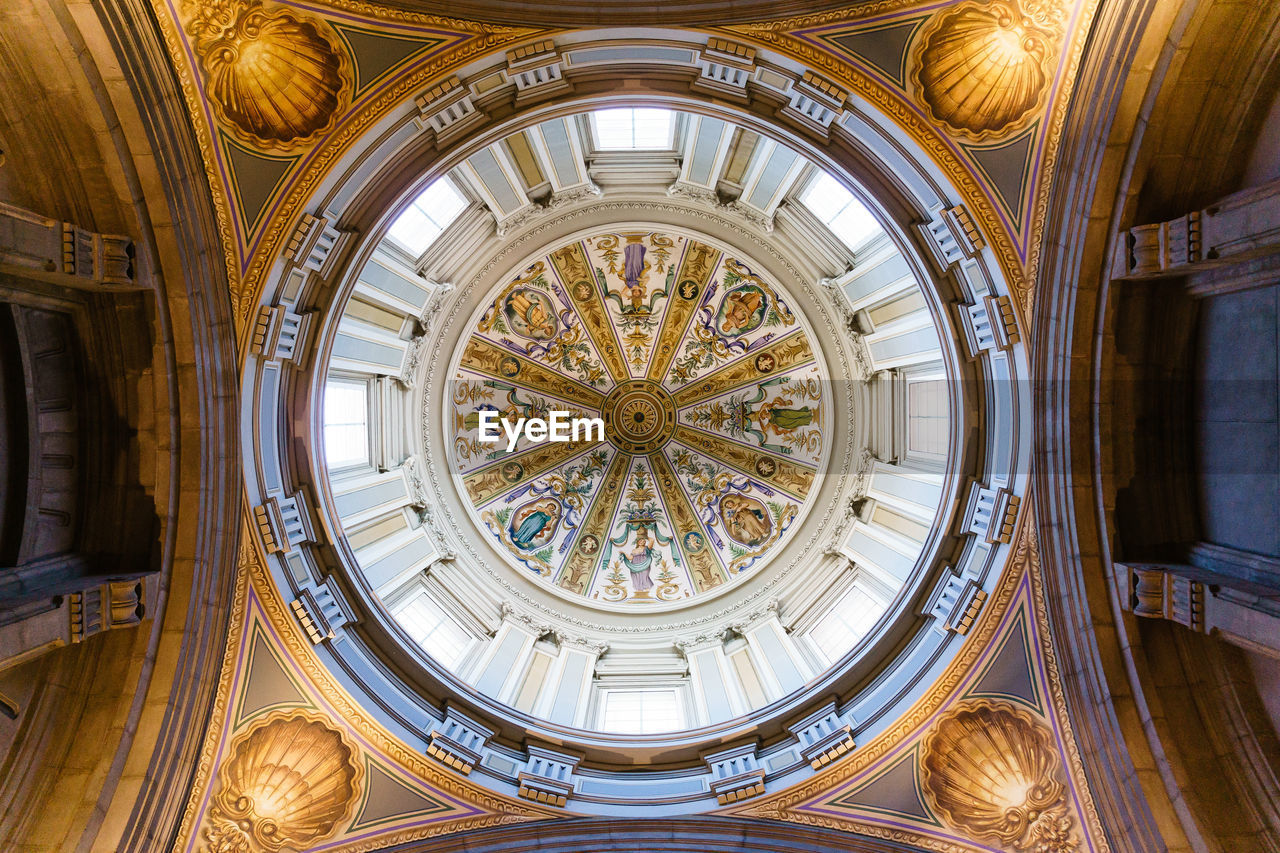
(983,68)
(992,769)
(287,783)
(274,77)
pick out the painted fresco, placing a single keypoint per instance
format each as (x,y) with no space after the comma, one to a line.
(713,404)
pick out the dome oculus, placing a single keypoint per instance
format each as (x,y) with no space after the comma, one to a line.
(712,402)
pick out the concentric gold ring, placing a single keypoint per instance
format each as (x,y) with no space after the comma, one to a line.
(639,416)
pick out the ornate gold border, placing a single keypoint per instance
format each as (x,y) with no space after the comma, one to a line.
(252,572)
(929,138)
(778,35)
(245,290)
(1024,561)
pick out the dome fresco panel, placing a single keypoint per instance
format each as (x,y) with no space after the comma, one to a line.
(711,396)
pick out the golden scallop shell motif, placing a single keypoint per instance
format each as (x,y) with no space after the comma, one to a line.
(287,783)
(992,769)
(277,79)
(983,67)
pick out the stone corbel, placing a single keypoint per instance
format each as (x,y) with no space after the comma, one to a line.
(1153,592)
(547,776)
(1241,227)
(62,252)
(735,774)
(72,612)
(1241,608)
(823,736)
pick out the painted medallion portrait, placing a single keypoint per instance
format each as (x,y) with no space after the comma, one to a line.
(742,310)
(530,314)
(534,524)
(745,519)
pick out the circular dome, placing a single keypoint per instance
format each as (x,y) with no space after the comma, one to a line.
(838,598)
(751,396)
(762,510)
(689,401)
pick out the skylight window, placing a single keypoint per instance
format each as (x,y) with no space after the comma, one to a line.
(437,634)
(346,423)
(840,211)
(845,624)
(427,217)
(633,129)
(641,711)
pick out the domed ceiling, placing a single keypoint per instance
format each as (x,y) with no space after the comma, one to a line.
(678,617)
(711,399)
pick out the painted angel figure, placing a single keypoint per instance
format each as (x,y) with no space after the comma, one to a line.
(640,561)
(634,268)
